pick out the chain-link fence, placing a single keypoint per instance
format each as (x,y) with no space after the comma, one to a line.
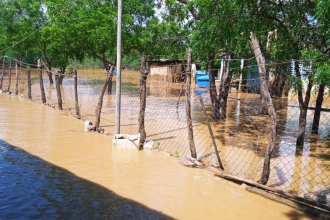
(241,137)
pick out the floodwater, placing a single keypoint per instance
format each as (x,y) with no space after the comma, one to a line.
(50,169)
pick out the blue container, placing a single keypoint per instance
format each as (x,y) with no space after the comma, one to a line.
(203,81)
(200,73)
(114,72)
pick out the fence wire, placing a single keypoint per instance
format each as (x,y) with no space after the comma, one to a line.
(241,138)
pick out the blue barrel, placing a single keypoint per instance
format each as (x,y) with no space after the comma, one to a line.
(200,73)
(114,72)
(204,81)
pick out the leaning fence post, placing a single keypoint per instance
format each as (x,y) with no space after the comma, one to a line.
(29,84)
(16,90)
(58,90)
(3,71)
(9,80)
(188,107)
(41,82)
(76,93)
(211,133)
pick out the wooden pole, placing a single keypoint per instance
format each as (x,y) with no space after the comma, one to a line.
(16,90)
(76,93)
(143,100)
(188,107)
(3,72)
(58,90)
(8,90)
(41,82)
(29,84)
(278,192)
(211,133)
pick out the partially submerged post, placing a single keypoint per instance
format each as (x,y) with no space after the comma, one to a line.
(41,82)
(29,84)
(9,80)
(188,107)
(143,99)
(211,133)
(16,90)
(3,71)
(58,90)
(76,92)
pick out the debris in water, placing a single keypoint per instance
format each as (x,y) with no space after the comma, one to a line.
(191,162)
(149,145)
(89,126)
(126,141)
(100,130)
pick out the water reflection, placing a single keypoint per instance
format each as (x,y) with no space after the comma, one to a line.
(32,188)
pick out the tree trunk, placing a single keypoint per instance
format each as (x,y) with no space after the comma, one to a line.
(281,85)
(317,112)
(3,72)
(224,89)
(303,106)
(100,103)
(16,90)
(188,107)
(8,90)
(264,90)
(29,84)
(50,77)
(76,93)
(143,100)
(42,89)
(213,90)
(110,85)
(58,90)
(61,77)
(49,63)
(245,76)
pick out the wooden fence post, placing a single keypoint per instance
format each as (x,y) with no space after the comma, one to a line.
(211,133)
(188,107)
(16,68)
(29,84)
(41,82)
(58,90)
(76,93)
(9,79)
(3,71)
(143,100)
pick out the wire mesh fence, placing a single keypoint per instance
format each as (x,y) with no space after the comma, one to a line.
(241,138)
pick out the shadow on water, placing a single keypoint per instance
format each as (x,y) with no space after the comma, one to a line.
(31,188)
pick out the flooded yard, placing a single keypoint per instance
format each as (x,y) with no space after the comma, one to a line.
(51,169)
(241,139)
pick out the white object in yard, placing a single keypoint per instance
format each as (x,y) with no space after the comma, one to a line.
(191,162)
(88,126)
(126,141)
(149,145)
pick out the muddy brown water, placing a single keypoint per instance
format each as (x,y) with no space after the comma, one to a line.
(300,172)
(50,169)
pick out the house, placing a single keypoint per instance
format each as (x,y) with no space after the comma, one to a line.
(171,71)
